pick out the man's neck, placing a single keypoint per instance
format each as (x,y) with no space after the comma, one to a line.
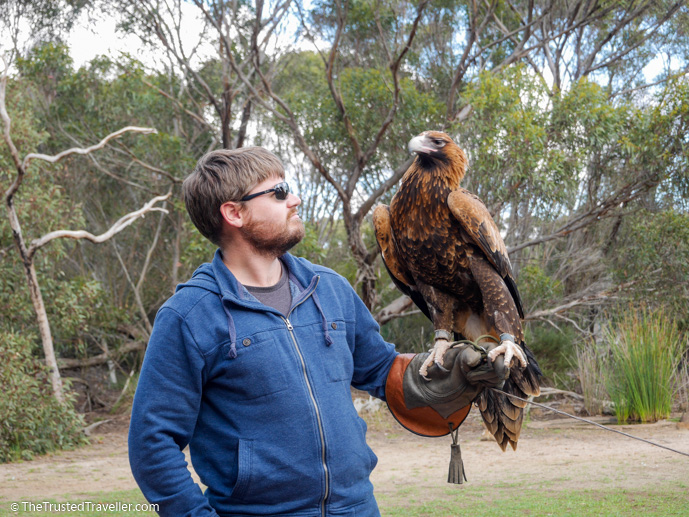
(252,268)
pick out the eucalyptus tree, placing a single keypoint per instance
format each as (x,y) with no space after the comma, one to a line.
(27,250)
(202,43)
(515,80)
(454,51)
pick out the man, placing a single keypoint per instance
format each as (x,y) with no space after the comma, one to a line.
(250,363)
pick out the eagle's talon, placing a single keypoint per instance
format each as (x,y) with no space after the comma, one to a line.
(439,364)
(436,356)
(510,350)
(423,371)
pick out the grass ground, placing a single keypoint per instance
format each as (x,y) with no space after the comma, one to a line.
(515,500)
(559,469)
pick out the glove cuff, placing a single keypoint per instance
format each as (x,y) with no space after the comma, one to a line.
(424,421)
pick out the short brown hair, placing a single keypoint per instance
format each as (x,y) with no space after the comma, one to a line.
(221,176)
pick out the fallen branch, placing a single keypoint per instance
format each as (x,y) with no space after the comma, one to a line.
(545,392)
(607,407)
(90,428)
(103,358)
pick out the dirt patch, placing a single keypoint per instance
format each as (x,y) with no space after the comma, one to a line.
(556,455)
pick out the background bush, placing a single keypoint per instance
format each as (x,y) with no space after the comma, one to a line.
(31,420)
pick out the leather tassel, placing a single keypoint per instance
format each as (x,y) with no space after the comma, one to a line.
(456,472)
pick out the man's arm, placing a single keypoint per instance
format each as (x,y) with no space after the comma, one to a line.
(166,405)
(373,356)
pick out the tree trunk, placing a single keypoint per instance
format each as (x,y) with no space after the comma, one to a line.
(41,314)
(46,335)
(39,306)
(366,273)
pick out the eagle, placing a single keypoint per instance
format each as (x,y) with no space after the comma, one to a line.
(442,248)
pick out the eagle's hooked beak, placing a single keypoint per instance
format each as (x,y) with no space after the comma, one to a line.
(421,145)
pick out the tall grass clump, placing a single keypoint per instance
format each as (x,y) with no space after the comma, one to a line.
(590,368)
(646,348)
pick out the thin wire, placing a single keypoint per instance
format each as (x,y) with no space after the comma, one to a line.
(591,422)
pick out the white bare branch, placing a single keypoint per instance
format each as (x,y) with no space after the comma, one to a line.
(120,225)
(587,300)
(87,150)
(394,309)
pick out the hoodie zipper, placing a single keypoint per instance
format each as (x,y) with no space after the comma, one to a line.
(321,433)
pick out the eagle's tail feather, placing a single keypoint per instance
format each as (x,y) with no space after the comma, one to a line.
(502,418)
(503,415)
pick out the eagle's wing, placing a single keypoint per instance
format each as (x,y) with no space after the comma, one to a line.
(397,270)
(502,415)
(474,217)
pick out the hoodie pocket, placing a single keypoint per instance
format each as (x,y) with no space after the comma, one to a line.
(338,362)
(279,476)
(258,370)
(244,461)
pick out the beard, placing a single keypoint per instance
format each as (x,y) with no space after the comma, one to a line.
(274,238)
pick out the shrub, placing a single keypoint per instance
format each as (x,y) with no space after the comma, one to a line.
(552,348)
(646,348)
(31,420)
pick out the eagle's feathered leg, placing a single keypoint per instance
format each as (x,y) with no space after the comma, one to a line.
(500,311)
(442,308)
(502,414)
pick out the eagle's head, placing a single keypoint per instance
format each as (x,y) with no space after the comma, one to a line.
(435,150)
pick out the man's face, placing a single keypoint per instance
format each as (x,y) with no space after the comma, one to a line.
(272,226)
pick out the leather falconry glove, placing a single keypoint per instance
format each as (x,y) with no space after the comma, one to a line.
(439,405)
(466,371)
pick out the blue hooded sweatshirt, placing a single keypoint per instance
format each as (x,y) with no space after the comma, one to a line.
(262,400)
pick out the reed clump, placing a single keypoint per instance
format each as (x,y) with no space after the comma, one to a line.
(646,348)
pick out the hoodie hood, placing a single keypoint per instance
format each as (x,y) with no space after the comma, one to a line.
(218,279)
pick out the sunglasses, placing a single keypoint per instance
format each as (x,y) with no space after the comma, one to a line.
(281,190)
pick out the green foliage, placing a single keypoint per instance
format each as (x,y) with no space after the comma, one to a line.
(646,349)
(309,247)
(552,348)
(509,146)
(654,250)
(31,420)
(539,288)
(196,249)
(367,96)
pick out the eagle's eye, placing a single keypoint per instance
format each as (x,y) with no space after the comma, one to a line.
(439,141)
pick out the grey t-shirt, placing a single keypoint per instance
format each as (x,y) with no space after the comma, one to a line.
(277,296)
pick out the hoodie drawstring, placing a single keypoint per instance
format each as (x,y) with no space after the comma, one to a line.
(232,354)
(328,339)
(232,330)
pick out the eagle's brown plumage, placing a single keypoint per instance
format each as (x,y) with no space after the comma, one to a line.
(443,249)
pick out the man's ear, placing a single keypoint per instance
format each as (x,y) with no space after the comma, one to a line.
(233,214)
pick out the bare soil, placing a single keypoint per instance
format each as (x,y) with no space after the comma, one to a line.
(560,454)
